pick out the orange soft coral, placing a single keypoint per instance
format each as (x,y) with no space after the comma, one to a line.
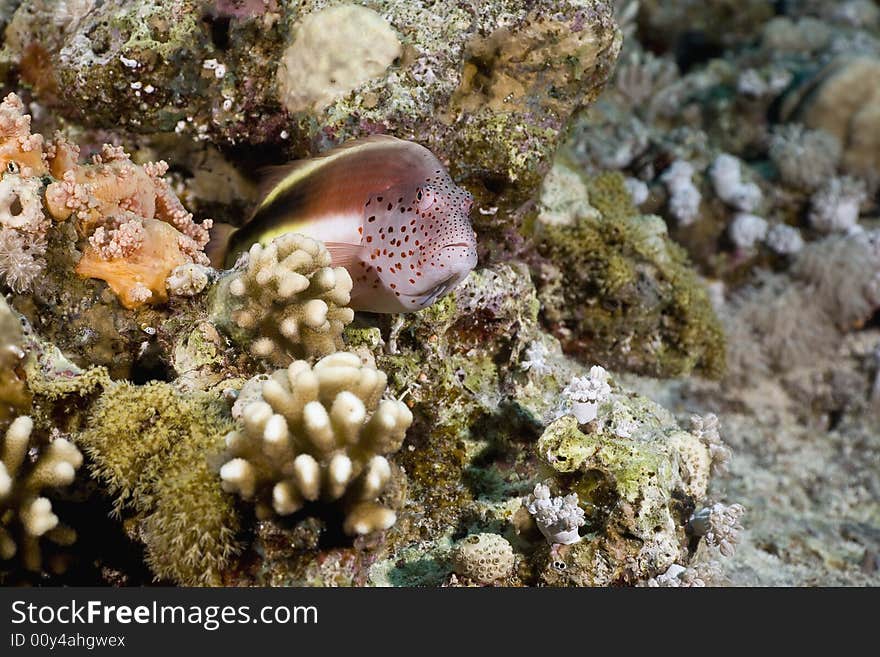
(20,151)
(135,260)
(138,230)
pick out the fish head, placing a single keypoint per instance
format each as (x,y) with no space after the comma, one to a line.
(425,244)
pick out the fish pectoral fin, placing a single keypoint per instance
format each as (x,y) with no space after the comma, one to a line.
(344,254)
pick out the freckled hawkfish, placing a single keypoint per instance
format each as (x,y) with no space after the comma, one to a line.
(386,209)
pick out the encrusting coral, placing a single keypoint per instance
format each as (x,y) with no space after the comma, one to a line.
(26,514)
(315,70)
(285,301)
(483,558)
(319,433)
(637,488)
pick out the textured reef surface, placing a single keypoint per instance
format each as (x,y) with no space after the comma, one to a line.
(664,370)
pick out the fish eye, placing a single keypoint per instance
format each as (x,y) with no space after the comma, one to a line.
(12,166)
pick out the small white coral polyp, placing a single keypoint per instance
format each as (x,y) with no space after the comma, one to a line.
(319,433)
(558,518)
(585,393)
(25,514)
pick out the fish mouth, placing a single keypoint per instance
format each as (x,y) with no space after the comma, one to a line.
(464,244)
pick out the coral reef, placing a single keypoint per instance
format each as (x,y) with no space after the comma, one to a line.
(319,433)
(489,86)
(637,487)
(285,301)
(713,214)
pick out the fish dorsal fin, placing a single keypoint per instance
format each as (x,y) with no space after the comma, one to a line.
(343,254)
(345,175)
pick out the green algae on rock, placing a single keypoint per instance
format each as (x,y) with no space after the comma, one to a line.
(638,478)
(616,290)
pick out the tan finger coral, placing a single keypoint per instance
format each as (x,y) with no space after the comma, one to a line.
(319,433)
(25,514)
(286,301)
(14,395)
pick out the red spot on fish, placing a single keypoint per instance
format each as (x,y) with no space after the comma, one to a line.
(369,238)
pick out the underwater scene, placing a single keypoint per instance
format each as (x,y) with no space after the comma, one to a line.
(440,293)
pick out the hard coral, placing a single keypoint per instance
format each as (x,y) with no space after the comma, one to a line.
(334,51)
(285,300)
(319,433)
(483,558)
(25,514)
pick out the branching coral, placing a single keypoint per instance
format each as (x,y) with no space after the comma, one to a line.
(25,514)
(684,197)
(784,240)
(319,433)
(727,180)
(558,518)
(285,301)
(138,231)
(747,230)
(843,275)
(151,445)
(833,285)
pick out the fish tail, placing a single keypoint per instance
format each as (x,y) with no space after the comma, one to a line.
(218,246)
